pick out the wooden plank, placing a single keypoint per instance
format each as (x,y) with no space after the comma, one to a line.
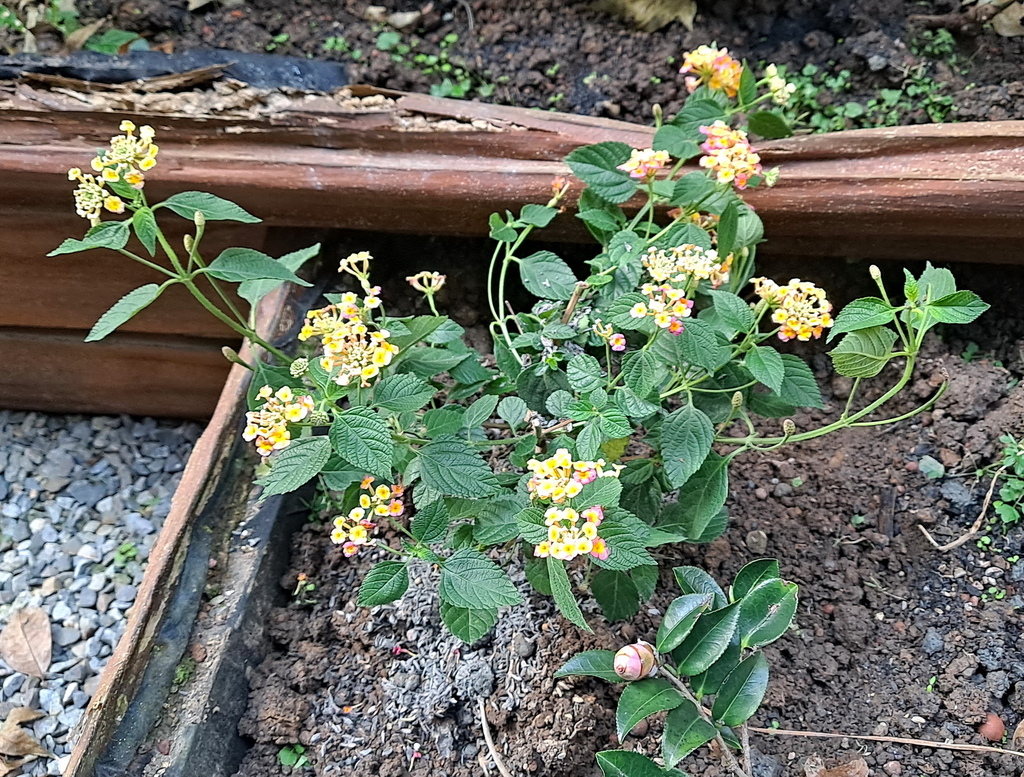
(55,371)
(120,678)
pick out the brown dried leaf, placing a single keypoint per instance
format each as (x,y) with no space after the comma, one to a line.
(17,746)
(1008,22)
(26,643)
(815,767)
(1018,737)
(77,39)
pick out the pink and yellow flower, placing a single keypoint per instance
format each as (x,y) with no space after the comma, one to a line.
(729,155)
(713,68)
(644,164)
(559,478)
(268,425)
(352,531)
(799,308)
(568,538)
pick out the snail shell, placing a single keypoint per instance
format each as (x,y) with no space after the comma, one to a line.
(636,661)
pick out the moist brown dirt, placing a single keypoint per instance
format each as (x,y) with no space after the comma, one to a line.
(567,55)
(892,636)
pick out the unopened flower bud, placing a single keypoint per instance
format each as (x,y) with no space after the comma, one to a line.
(232,356)
(771,177)
(319,418)
(199,219)
(656,110)
(298,367)
(788,427)
(737,400)
(636,661)
(188,242)
(876,274)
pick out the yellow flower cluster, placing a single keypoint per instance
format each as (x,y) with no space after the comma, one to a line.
(268,426)
(351,350)
(127,158)
(607,332)
(687,263)
(666,304)
(780,89)
(713,68)
(729,155)
(644,164)
(800,308)
(426,282)
(567,538)
(559,478)
(353,530)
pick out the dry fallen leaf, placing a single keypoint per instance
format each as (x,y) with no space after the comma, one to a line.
(26,643)
(17,746)
(815,767)
(1018,737)
(1008,22)
(77,39)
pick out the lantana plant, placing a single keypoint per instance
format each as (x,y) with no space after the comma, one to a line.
(605,428)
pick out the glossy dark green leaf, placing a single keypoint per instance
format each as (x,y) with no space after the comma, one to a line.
(742,692)
(708,640)
(766,612)
(642,698)
(752,575)
(685,731)
(679,619)
(694,580)
(592,663)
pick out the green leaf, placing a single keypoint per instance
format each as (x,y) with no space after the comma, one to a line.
(420,327)
(584,373)
(698,345)
(686,438)
(597,166)
(296,465)
(558,331)
(467,624)
(680,618)
(531,525)
(109,234)
(254,291)
(598,219)
(246,264)
(538,215)
(430,524)
(743,691)
(677,524)
(591,663)
(480,411)
(442,421)
(728,224)
(500,229)
(428,362)
(766,612)
(536,570)
(626,763)
(471,580)
(452,467)
(768,125)
(861,314)
(646,579)
(642,698)
(935,283)
(685,731)
(602,491)
(708,640)
(694,580)
(145,229)
(618,313)
(448,332)
(512,410)
(748,85)
(704,493)
(732,310)
(561,590)
(799,388)
(185,204)
(402,393)
(752,575)
(696,114)
(640,372)
(711,681)
(960,307)
(767,366)
(495,520)
(361,437)
(338,476)
(626,536)
(614,425)
(545,275)
(676,141)
(124,310)
(616,593)
(863,354)
(385,583)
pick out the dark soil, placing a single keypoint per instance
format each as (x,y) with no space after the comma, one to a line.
(892,636)
(566,55)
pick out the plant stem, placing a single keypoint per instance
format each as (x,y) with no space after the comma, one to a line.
(146,262)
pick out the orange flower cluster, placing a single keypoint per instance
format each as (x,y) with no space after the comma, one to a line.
(567,538)
(713,68)
(729,155)
(800,308)
(644,164)
(268,426)
(353,530)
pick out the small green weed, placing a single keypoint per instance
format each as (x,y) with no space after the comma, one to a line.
(278,40)
(293,756)
(126,551)
(184,671)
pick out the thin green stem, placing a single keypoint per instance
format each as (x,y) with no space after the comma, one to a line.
(146,262)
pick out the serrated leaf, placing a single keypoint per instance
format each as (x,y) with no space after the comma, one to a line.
(185,204)
(598,219)
(935,283)
(618,314)
(861,314)
(471,580)
(694,580)
(145,229)
(402,393)
(109,234)
(254,291)
(686,438)
(677,522)
(466,624)
(453,468)
(768,125)
(705,492)
(863,353)
(640,372)
(296,465)
(698,113)
(642,698)
(799,388)
(501,230)
(430,524)
(708,640)
(603,491)
(680,618)
(512,410)
(584,373)
(236,265)
(385,583)
(685,731)
(676,141)
(752,575)
(536,570)
(545,275)
(561,591)
(616,593)
(444,421)
(124,310)
(732,310)
(597,166)
(495,520)
(767,366)
(742,692)
(537,215)
(626,537)
(591,663)
(361,437)
(480,411)
(960,307)
(531,525)
(728,224)
(699,346)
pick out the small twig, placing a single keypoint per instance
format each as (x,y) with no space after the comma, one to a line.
(469,14)
(976,526)
(892,740)
(513,316)
(490,742)
(745,741)
(577,292)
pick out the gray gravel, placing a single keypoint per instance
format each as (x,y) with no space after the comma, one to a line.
(81,502)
